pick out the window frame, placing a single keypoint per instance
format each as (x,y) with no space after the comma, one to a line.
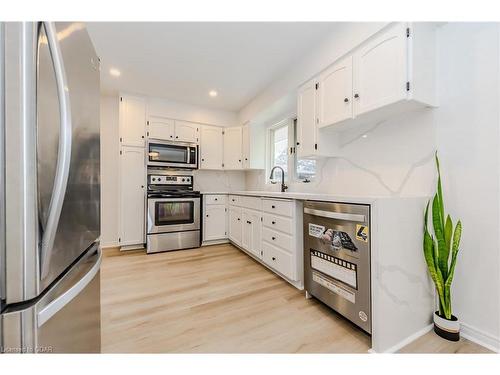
(292,160)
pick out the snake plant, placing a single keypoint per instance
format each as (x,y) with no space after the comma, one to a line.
(441,249)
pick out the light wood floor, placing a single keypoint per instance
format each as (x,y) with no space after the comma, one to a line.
(216,299)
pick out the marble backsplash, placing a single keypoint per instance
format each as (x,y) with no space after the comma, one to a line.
(389,158)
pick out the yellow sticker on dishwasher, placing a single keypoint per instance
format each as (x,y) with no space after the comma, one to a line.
(362,232)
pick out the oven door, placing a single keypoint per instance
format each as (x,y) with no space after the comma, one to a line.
(168,154)
(167,215)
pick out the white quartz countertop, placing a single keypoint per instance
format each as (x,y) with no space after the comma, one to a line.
(307,196)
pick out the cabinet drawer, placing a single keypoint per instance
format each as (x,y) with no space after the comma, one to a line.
(280,223)
(279,207)
(279,260)
(254,203)
(284,241)
(215,199)
(235,200)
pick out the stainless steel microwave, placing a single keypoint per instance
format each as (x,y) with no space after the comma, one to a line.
(172,154)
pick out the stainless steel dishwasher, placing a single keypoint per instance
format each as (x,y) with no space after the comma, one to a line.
(337,258)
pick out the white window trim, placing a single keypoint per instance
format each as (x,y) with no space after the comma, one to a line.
(292,157)
(269,149)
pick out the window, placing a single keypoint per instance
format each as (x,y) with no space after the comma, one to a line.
(279,147)
(304,168)
(282,141)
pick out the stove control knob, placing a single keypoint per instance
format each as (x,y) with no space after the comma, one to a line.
(183,179)
(154,179)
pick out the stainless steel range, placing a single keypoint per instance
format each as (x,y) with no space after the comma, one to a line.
(174,210)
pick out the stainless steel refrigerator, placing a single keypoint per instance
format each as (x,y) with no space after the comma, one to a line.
(50,190)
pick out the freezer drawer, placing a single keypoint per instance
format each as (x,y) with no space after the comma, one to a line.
(66,319)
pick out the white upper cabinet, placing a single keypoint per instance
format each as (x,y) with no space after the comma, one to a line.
(232,148)
(186,131)
(335,93)
(245,146)
(132,120)
(381,70)
(172,130)
(391,72)
(161,128)
(211,147)
(306,120)
(253,147)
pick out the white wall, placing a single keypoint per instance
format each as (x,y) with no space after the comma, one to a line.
(396,157)
(188,112)
(468,141)
(109,171)
(204,180)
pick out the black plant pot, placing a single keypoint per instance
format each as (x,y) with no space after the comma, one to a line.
(448,329)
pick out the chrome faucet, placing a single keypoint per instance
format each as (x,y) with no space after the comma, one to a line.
(283,186)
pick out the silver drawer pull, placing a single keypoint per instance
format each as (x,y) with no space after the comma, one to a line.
(335,215)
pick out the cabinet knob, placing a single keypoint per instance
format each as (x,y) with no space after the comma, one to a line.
(273,238)
(274,258)
(215,199)
(298,143)
(346,100)
(273,222)
(142,137)
(239,160)
(171,136)
(356,96)
(207,215)
(202,159)
(238,219)
(249,222)
(176,136)
(273,206)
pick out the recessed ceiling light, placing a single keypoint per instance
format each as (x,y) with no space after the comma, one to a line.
(114,72)
(212,93)
(365,136)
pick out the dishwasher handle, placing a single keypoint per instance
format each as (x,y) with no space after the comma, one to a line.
(335,215)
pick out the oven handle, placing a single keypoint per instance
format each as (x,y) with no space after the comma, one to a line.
(335,215)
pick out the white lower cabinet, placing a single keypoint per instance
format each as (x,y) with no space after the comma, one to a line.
(215,222)
(235,225)
(132,196)
(270,230)
(278,259)
(251,232)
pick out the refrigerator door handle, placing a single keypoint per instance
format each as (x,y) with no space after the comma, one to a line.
(53,307)
(64,150)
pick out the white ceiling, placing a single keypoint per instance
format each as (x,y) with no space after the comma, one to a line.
(183,61)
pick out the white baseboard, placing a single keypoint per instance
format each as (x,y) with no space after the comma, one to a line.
(110,244)
(480,337)
(406,341)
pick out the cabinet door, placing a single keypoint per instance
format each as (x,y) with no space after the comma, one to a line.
(186,131)
(245,146)
(255,218)
(132,119)
(214,222)
(335,93)
(211,147)
(235,225)
(306,120)
(232,148)
(161,128)
(246,230)
(132,195)
(380,70)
